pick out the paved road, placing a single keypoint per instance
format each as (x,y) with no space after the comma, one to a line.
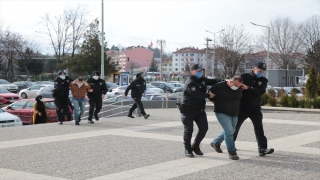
(138,149)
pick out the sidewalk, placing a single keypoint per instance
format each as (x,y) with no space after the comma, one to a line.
(138,149)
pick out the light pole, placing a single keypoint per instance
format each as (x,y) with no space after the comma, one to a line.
(267,61)
(206,66)
(102,43)
(214,48)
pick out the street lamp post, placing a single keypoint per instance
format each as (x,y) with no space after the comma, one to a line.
(206,66)
(268,52)
(214,48)
(102,42)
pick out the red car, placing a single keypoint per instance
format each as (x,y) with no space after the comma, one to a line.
(24,110)
(7,97)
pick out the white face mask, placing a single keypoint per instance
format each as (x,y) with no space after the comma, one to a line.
(96,77)
(62,77)
(41,100)
(234,87)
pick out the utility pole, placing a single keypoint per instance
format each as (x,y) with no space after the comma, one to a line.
(206,66)
(214,47)
(102,43)
(161,43)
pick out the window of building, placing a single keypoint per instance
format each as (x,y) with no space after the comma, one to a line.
(176,69)
(169,69)
(186,54)
(176,59)
(181,54)
(165,64)
(176,64)
(176,54)
(182,59)
(191,59)
(182,69)
(191,54)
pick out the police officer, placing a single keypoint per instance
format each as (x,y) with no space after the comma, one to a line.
(193,107)
(61,95)
(96,97)
(137,87)
(254,85)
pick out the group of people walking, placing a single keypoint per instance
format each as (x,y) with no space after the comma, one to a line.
(94,88)
(234,101)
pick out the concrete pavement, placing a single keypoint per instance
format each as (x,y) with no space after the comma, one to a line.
(122,148)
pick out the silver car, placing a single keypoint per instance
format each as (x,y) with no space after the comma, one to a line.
(8,86)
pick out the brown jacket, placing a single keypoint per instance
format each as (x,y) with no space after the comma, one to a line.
(79,92)
(35,112)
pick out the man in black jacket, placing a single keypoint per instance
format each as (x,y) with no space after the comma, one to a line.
(61,95)
(96,97)
(193,107)
(254,85)
(137,87)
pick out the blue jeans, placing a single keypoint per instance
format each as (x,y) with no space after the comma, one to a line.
(78,103)
(228,124)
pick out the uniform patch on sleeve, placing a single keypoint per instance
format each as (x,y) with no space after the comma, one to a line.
(101,83)
(193,88)
(259,83)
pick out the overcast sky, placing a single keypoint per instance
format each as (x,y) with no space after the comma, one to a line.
(181,23)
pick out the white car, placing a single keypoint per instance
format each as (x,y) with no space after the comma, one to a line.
(9,120)
(8,86)
(31,92)
(153,88)
(121,89)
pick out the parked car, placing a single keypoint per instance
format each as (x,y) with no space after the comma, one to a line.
(152,87)
(7,97)
(9,120)
(46,91)
(178,86)
(111,86)
(8,86)
(166,87)
(31,92)
(160,97)
(23,84)
(44,83)
(24,109)
(121,89)
(122,98)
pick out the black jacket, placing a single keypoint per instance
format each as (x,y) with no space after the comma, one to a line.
(137,88)
(99,87)
(256,87)
(61,87)
(195,92)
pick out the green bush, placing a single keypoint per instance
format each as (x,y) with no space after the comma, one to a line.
(284,101)
(302,103)
(292,101)
(316,103)
(308,103)
(271,93)
(272,101)
(264,99)
(294,91)
(281,93)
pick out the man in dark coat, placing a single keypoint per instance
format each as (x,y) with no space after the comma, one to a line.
(96,96)
(61,95)
(137,87)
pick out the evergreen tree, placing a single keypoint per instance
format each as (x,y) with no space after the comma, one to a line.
(312,85)
(89,57)
(1,64)
(187,68)
(153,67)
(313,56)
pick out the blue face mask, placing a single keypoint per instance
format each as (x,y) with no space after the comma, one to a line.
(259,75)
(199,75)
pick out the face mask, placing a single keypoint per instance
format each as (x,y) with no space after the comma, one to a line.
(234,87)
(41,100)
(96,77)
(199,75)
(62,77)
(259,75)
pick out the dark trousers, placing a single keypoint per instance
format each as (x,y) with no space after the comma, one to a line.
(61,107)
(255,116)
(187,118)
(137,103)
(95,106)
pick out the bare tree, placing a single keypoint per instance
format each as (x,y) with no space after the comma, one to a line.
(65,30)
(234,43)
(286,43)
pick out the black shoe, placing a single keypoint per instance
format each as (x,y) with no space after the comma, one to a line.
(79,119)
(130,116)
(77,123)
(196,149)
(188,152)
(90,122)
(263,152)
(233,155)
(216,148)
(96,117)
(146,116)
(60,123)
